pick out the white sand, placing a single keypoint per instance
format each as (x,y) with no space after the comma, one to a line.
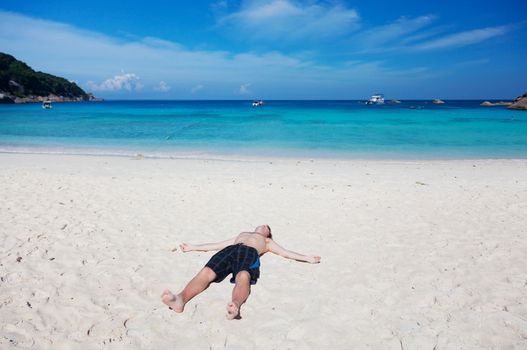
(415,255)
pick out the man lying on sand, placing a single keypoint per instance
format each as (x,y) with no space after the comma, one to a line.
(240,256)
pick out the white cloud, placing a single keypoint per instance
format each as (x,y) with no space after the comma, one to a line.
(90,58)
(464,38)
(394,31)
(244,89)
(196,89)
(87,56)
(416,34)
(125,81)
(291,20)
(162,87)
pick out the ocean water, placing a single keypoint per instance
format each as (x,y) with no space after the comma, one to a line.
(339,129)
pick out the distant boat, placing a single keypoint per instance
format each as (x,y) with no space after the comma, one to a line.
(377,99)
(258,103)
(47,104)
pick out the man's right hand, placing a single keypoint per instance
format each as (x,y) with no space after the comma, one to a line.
(185,247)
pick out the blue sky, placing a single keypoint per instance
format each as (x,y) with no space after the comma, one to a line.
(275,49)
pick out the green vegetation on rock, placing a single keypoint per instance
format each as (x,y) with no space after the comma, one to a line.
(18,80)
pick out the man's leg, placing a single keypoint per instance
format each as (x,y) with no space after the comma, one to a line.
(240,293)
(197,285)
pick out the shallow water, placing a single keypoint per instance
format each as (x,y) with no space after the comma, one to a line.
(342,129)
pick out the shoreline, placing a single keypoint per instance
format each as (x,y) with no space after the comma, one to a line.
(247,158)
(226,156)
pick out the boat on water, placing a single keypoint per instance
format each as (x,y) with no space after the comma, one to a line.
(258,103)
(376,99)
(47,104)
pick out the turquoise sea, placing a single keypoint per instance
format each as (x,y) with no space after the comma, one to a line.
(340,129)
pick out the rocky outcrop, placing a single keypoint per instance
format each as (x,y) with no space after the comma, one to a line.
(520,103)
(7,98)
(4,99)
(438,101)
(491,104)
(54,98)
(93,98)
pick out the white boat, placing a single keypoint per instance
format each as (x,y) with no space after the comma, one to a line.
(46,104)
(377,99)
(258,103)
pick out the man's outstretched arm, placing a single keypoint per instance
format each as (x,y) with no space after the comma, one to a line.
(185,247)
(288,254)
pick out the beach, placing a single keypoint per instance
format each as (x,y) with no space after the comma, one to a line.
(416,254)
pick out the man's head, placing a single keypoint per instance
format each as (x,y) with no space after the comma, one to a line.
(264,230)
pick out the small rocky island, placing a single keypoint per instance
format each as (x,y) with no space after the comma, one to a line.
(519,103)
(493,104)
(19,83)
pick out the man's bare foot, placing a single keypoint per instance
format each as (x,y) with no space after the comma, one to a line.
(233,311)
(174,302)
